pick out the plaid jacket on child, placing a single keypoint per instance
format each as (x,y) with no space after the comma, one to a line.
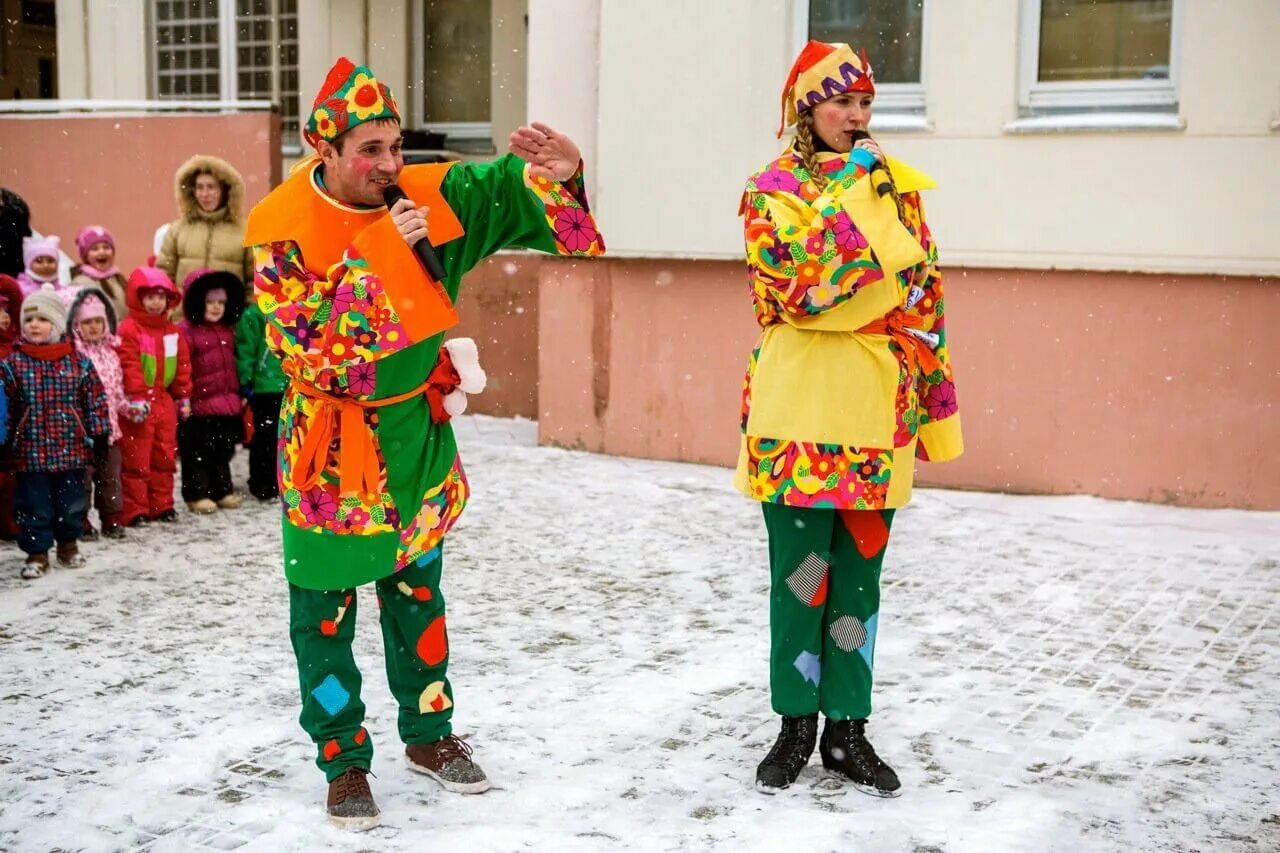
(56,406)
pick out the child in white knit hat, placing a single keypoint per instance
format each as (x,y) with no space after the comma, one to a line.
(57,416)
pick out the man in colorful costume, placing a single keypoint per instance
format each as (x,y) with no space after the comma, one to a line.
(850,383)
(370,478)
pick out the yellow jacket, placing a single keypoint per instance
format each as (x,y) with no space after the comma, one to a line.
(851,379)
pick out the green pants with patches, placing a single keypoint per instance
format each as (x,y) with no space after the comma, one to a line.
(322,625)
(824,607)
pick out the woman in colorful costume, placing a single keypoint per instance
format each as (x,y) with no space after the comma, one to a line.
(370,478)
(849,383)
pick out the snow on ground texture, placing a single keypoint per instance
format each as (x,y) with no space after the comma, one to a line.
(1054,674)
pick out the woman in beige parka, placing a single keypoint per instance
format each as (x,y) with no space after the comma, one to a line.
(209,231)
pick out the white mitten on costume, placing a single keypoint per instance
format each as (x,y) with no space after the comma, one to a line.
(466,360)
(455,402)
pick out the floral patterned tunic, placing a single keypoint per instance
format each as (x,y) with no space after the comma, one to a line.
(365,323)
(851,378)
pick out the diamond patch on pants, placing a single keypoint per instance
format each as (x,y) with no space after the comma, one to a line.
(809,666)
(848,633)
(331,695)
(809,581)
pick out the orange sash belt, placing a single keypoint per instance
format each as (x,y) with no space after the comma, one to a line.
(357,456)
(896,324)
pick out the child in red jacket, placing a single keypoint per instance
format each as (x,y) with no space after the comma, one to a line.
(157,383)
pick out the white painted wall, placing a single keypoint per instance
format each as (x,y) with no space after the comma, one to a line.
(563,84)
(328,29)
(104,47)
(688,105)
(675,102)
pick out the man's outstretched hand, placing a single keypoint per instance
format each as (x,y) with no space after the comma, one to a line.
(549,154)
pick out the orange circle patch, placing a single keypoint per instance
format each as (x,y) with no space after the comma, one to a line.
(432,645)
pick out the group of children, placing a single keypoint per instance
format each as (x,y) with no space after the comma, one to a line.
(109,381)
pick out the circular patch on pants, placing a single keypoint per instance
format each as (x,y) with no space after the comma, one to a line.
(848,633)
(434,699)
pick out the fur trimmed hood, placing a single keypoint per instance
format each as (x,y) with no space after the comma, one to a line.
(197,286)
(184,189)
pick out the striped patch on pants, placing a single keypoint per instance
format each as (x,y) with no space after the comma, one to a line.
(809,581)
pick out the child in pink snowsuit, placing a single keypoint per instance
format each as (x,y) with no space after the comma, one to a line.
(93,321)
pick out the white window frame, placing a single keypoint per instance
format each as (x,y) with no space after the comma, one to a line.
(228,79)
(899,106)
(460,130)
(1036,97)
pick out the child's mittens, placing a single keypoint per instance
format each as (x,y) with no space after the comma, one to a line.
(184,408)
(137,410)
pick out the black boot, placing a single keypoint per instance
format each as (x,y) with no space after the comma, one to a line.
(846,750)
(789,755)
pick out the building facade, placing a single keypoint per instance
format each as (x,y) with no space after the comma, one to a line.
(1109,191)
(1109,188)
(457,68)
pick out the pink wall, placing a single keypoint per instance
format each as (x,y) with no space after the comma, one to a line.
(1154,388)
(499,308)
(118,172)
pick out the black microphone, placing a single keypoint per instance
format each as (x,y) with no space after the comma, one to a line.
(423,249)
(881,178)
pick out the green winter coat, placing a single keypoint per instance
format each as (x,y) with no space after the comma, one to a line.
(256,365)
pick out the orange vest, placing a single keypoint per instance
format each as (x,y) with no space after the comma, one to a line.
(298,210)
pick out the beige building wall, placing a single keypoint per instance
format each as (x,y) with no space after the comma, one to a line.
(1197,200)
(104,47)
(678,135)
(563,77)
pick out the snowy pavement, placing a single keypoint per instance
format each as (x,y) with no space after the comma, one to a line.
(1053,674)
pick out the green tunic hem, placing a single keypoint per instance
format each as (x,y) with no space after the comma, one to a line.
(318,559)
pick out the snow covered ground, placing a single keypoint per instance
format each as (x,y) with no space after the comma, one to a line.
(1054,674)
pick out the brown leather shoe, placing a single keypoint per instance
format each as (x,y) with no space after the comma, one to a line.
(35,566)
(350,804)
(448,761)
(69,556)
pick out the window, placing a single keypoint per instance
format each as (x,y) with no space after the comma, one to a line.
(187,61)
(470,72)
(267,58)
(454,54)
(39,13)
(892,32)
(190,63)
(1099,55)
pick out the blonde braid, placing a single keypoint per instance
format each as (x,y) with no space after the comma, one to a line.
(893,191)
(808,156)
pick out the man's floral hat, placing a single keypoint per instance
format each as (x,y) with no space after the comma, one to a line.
(350,96)
(823,71)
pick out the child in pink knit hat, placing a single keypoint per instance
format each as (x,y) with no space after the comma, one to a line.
(40,257)
(97,267)
(93,323)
